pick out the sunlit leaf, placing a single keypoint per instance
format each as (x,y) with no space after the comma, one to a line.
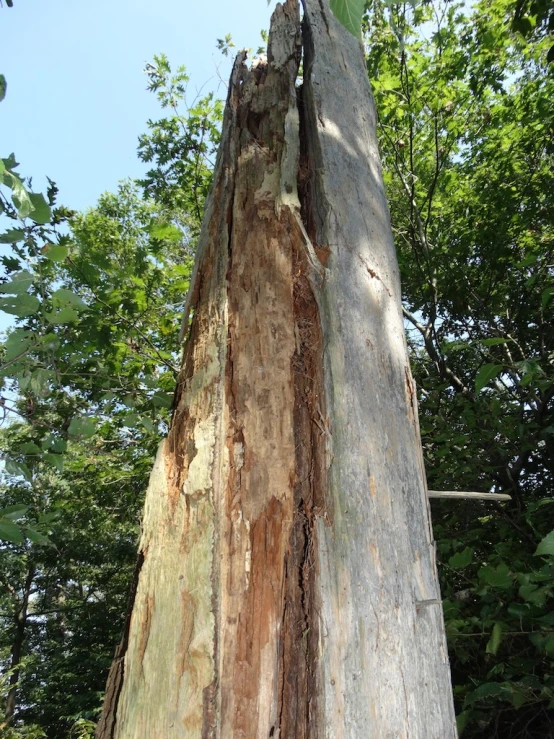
(20,305)
(19,283)
(486,373)
(41,210)
(349,13)
(12,235)
(55,252)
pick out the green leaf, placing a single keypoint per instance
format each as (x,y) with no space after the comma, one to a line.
(63,315)
(497,577)
(53,443)
(55,252)
(64,297)
(17,469)
(461,559)
(81,427)
(54,460)
(41,210)
(461,721)
(3,87)
(518,696)
(496,638)
(546,546)
(130,420)
(163,400)
(148,425)
(14,512)
(10,531)
(10,162)
(17,343)
(29,447)
(533,594)
(522,25)
(11,236)
(20,196)
(19,283)
(530,259)
(40,382)
(546,294)
(486,690)
(166,231)
(20,305)
(36,537)
(349,13)
(485,374)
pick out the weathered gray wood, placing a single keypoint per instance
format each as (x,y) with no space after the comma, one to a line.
(287,585)
(462,495)
(383,661)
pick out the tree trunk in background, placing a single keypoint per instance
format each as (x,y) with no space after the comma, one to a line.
(20,626)
(286,584)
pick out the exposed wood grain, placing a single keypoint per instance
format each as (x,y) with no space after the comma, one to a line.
(288,587)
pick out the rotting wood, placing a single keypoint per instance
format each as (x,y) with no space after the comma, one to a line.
(286,548)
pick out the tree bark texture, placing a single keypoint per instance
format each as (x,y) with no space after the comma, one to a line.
(286,584)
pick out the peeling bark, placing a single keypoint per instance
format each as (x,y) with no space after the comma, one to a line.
(286,552)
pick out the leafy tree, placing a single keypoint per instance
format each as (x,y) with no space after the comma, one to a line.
(89,371)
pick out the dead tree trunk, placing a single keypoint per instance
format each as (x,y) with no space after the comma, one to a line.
(286,583)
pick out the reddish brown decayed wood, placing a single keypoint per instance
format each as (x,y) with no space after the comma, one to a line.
(273,390)
(266,468)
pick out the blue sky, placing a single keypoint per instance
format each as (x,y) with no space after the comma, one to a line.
(76,99)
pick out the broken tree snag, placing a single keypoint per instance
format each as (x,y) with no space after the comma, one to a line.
(286,541)
(383,664)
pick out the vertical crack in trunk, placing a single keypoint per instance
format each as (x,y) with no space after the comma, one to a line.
(298,696)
